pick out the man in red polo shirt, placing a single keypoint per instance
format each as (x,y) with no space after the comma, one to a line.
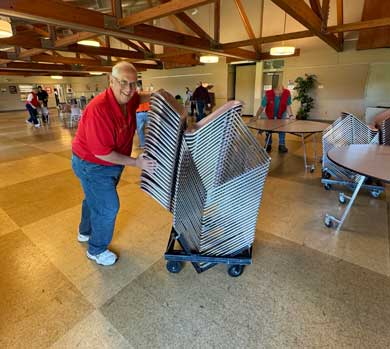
(101,148)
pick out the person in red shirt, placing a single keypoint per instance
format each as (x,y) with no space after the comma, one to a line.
(32,104)
(101,148)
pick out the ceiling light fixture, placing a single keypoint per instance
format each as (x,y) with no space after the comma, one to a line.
(283,50)
(5,28)
(209,59)
(96,73)
(89,43)
(56,77)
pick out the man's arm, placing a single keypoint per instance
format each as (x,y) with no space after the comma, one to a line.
(119,159)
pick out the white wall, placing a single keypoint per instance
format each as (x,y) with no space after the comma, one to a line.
(351,80)
(175,81)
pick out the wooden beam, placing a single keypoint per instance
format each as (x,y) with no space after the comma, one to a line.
(266,56)
(116,8)
(325,14)
(96,22)
(269,39)
(71,39)
(63,60)
(316,7)
(340,19)
(300,11)
(163,10)
(69,68)
(193,26)
(105,51)
(362,25)
(217,20)
(247,25)
(131,44)
(146,48)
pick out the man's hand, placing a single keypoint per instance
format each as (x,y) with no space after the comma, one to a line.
(144,164)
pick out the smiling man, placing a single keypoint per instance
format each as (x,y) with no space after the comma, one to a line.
(101,148)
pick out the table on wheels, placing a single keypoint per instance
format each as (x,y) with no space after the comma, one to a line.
(299,128)
(367,160)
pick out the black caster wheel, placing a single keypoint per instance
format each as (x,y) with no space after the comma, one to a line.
(327,186)
(326,175)
(328,222)
(375,193)
(235,270)
(312,169)
(174,266)
(342,199)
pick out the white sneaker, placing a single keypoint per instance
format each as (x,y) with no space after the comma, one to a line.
(37,125)
(105,258)
(82,238)
(29,123)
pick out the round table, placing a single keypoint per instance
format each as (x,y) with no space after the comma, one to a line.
(299,128)
(367,160)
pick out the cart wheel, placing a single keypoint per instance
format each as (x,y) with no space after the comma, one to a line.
(328,222)
(326,174)
(327,186)
(342,199)
(312,168)
(174,266)
(235,270)
(375,193)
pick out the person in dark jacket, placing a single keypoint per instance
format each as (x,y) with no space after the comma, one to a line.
(201,98)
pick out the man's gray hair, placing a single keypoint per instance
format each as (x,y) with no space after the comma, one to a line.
(122,66)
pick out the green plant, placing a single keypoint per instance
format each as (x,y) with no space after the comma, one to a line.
(303,86)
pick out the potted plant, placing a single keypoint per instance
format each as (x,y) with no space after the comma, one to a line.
(303,86)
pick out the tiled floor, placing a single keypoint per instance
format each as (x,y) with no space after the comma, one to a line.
(307,287)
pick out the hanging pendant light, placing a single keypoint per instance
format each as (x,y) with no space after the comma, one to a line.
(93,43)
(283,50)
(209,59)
(5,28)
(56,77)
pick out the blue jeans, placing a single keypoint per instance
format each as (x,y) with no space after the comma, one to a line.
(101,203)
(200,110)
(142,118)
(33,114)
(282,135)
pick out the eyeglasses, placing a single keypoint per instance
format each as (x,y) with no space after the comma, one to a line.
(124,84)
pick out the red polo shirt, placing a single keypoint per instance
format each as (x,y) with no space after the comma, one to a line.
(103,128)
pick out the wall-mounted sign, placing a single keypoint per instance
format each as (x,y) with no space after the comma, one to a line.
(13,90)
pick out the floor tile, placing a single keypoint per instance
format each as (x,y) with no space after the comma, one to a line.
(31,168)
(92,332)
(38,303)
(30,201)
(7,225)
(290,297)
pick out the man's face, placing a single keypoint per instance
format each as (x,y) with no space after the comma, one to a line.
(35,90)
(39,89)
(124,86)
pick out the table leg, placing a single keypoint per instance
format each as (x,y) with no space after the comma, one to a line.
(267,139)
(304,151)
(328,220)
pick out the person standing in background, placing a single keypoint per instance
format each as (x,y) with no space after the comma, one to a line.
(189,103)
(276,103)
(142,118)
(201,98)
(32,104)
(57,98)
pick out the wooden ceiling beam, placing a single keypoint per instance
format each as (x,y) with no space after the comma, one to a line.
(96,22)
(316,7)
(340,19)
(325,14)
(217,20)
(362,25)
(247,25)
(302,12)
(163,10)
(269,39)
